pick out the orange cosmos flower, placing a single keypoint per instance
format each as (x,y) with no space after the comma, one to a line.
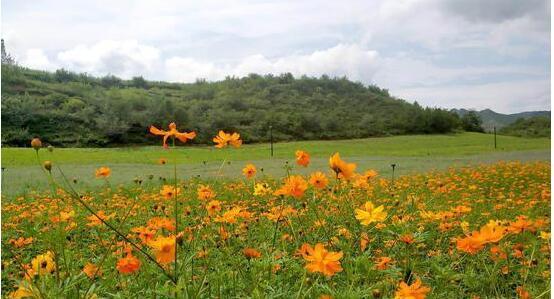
(520,225)
(522,293)
(364,241)
(128,264)
(251,253)
(145,234)
(492,232)
(169,191)
(91,270)
(294,186)
(103,172)
(164,249)
(319,180)
(213,207)
(471,244)
(302,158)
(407,238)
(157,223)
(183,137)
(249,170)
(223,139)
(95,221)
(383,263)
(341,168)
(229,216)
(162,161)
(321,260)
(370,174)
(414,291)
(21,241)
(205,192)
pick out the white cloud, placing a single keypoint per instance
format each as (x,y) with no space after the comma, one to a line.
(341,60)
(37,59)
(504,97)
(406,72)
(123,58)
(179,69)
(422,46)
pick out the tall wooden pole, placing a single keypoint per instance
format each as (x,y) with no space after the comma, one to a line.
(494,137)
(271,139)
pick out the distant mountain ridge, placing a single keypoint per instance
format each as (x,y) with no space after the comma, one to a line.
(491,118)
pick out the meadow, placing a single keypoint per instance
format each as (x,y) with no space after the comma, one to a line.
(459,220)
(411,154)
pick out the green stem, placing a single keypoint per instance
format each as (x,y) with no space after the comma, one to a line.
(176,207)
(77,197)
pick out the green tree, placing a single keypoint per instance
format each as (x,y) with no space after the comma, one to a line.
(471,122)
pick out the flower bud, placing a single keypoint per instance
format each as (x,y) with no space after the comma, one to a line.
(36,143)
(47,165)
(50,148)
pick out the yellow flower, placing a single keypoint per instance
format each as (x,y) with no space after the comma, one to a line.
(465,227)
(24,290)
(43,263)
(545,235)
(164,249)
(370,214)
(261,189)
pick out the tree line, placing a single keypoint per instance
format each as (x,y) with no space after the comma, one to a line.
(76,109)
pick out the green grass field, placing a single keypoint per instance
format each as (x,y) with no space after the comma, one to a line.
(410,153)
(460,233)
(398,146)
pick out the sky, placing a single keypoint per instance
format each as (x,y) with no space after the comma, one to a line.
(473,54)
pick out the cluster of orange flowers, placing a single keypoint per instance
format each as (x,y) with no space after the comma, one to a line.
(283,209)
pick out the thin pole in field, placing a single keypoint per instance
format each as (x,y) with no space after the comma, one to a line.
(271,139)
(393,166)
(494,137)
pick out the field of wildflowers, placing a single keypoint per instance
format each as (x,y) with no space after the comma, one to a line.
(473,232)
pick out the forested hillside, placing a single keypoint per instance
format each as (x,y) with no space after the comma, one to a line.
(69,109)
(537,126)
(491,119)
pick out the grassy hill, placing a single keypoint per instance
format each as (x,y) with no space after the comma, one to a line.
(69,109)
